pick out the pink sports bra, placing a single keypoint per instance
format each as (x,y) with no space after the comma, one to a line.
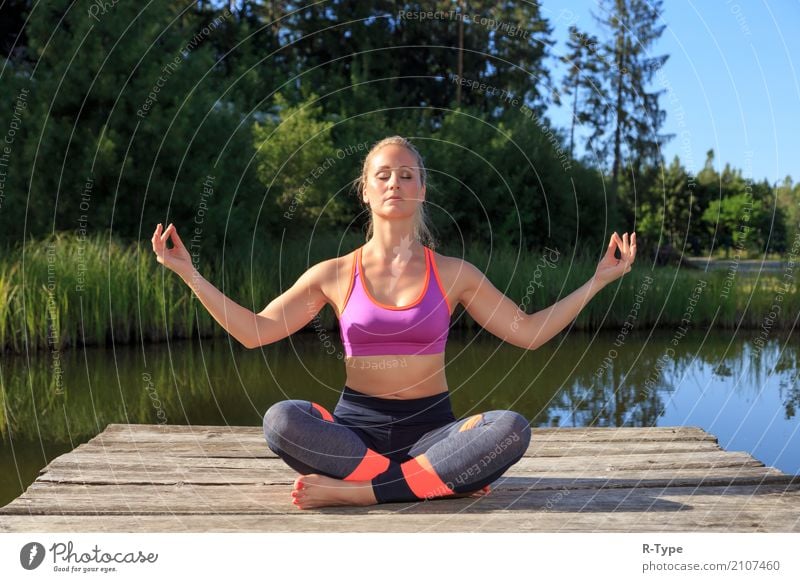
(370,328)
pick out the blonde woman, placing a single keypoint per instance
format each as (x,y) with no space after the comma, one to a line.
(393,436)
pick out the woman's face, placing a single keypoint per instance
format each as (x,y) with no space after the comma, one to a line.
(394,187)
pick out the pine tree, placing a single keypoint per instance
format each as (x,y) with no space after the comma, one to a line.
(634,27)
(413,61)
(584,84)
(634,139)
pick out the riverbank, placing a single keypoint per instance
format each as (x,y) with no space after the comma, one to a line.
(66,291)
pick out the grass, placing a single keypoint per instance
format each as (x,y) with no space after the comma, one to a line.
(63,291)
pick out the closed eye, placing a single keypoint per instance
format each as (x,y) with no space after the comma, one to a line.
(386,177)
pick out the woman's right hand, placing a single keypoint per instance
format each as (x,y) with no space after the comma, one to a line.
(177,258)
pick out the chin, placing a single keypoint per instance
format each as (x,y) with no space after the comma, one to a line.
(398,214)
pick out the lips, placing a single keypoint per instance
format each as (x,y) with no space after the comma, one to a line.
(393,198)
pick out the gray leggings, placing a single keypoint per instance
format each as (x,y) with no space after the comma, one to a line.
(409,449)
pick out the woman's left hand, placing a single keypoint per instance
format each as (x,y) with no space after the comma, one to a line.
(610,268)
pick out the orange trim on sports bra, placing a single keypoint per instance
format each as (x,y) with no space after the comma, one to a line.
(350,285)
(439,282)
(395,307)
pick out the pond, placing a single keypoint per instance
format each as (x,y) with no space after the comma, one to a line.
(744,392)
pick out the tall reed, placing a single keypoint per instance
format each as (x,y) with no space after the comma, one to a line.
(64,291)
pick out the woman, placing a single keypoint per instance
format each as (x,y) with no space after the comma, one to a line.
(392,436)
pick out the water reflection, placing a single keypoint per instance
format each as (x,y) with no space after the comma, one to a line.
(747,398)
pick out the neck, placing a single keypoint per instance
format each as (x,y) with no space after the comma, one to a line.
(392,238)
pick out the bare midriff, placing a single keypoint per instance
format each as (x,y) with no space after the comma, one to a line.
(399,377)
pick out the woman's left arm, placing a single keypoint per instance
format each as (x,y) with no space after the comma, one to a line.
(497,313)
(543,325)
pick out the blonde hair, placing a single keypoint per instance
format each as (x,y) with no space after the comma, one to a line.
(422,225)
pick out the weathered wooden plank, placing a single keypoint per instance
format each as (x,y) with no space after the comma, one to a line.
(641,462)
(65,499)
(667,433)
(160,429)
(585,465)
(519,480)
(219,449)
(143,432)
(260,451)
(536,448)
(279,476)
(100,461)
(563,449)
(746,521)
(150,433)
(588,465)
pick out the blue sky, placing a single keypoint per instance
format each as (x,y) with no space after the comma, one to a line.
(734,79)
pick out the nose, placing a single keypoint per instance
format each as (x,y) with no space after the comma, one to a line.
(393,181)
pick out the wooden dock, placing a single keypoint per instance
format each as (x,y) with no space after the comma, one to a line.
(137,478)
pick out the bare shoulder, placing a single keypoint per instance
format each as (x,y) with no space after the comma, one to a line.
(334,277)
(458,276)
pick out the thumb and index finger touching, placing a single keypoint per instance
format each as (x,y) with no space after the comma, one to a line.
(617,241)
(160,238)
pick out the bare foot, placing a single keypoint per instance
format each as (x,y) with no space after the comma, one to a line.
(314,490)
(477,493)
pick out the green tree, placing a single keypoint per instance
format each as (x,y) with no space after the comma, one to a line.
(633,138)
(129,103)
(787,195)
(725,218)
(294,154)
(13,36)
(682,212)
(745,217)
(510,44)
(412,62)
(583,83)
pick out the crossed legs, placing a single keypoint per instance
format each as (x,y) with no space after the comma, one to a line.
(338,468)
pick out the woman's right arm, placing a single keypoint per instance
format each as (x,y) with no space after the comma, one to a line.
(285,315)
